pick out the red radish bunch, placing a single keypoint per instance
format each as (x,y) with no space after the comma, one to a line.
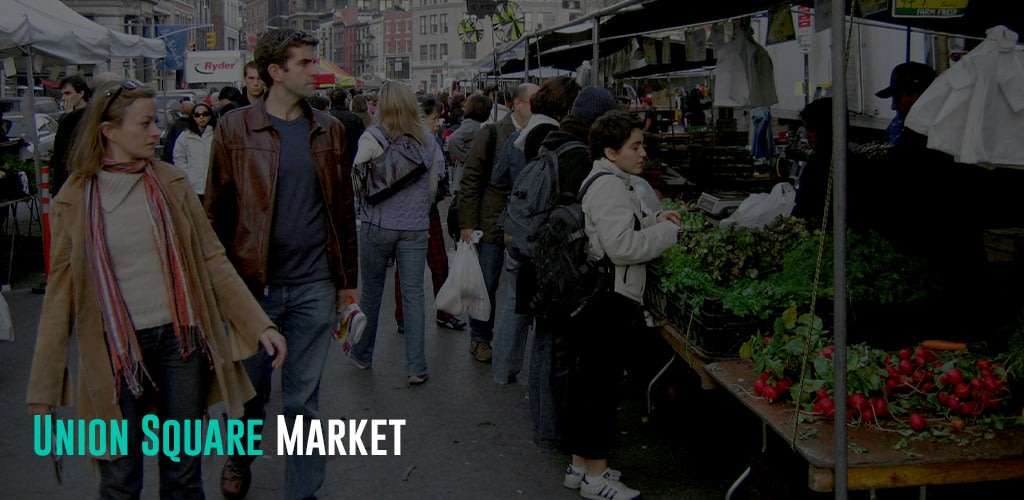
(970,396)
(771,390)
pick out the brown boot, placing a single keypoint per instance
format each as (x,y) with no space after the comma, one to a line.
(481,351)
(234,480)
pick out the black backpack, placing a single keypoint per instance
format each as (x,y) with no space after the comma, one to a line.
(567,276)
(535,194)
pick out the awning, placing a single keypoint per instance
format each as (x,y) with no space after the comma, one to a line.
(332,76)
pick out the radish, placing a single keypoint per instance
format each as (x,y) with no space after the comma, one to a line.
(917,422)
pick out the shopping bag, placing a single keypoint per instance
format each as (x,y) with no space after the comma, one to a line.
(464,290)
(760,209)
(6,326)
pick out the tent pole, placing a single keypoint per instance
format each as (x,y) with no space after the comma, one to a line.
(595,66)
(28,115)
(838,55)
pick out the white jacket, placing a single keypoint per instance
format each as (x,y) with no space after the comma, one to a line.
(192,154)
(975,110)
(611,208)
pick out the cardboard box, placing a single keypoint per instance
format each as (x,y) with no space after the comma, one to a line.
(1005,244)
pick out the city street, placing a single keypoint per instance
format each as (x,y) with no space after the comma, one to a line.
(465,437)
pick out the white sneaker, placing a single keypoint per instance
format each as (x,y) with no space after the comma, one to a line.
(573,478)
(606,488)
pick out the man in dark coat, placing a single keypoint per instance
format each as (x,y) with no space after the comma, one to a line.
(354,126)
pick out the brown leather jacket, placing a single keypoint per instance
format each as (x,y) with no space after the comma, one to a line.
(240,187)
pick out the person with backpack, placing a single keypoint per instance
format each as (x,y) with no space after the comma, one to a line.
(395,220)
(562,171)
(619,230)
(480,205)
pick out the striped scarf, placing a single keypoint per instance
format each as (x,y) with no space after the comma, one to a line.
(122,344)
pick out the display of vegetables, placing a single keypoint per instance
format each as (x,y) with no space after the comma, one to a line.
(914,388)
(759,272)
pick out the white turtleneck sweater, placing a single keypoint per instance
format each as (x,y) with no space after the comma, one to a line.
(129,232)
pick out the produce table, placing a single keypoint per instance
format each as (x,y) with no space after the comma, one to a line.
(689,354)
(923,462)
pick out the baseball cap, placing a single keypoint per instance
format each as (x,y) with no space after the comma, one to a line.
(909,76)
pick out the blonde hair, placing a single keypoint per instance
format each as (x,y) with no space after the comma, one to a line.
(398,112)
(90,145)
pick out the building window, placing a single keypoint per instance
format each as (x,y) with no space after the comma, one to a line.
(423,25)
(444,50)
(469,51)
(387,29)
(423,53)
(433,52)
(408,26)
(433,24)
(444,23)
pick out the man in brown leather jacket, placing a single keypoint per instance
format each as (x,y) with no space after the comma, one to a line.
(279,196)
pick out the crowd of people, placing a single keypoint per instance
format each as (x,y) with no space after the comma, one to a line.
(252,219)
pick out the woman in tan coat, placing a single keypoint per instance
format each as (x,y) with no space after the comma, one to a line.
(160,314)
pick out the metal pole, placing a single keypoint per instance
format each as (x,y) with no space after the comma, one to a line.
(28,115)
(595,66)
(839,241)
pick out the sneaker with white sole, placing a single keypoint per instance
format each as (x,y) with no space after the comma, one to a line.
(574,477)
(361,365)
(606,488)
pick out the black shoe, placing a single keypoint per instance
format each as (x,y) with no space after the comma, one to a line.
(452,323)
(401,328)
(234,480)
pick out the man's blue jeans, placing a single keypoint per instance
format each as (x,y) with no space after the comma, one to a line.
(510,338)
(376,247)
(307,316)
(492,255)
(180,394)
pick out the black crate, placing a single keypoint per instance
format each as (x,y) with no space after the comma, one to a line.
(715,332)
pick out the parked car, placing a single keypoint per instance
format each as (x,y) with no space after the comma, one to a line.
(47,105)
(46,127)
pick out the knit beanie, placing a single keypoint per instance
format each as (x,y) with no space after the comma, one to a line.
(592,102)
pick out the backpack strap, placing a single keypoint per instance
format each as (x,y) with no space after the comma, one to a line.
(589,181)
(561,150)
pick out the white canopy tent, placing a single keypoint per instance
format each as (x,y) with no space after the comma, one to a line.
(50,31)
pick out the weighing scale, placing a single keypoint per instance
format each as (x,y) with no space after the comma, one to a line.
(721,204)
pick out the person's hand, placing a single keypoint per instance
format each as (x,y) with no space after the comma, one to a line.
(275,346)
(345,297)
(40,409)
(467,235)
(669,215)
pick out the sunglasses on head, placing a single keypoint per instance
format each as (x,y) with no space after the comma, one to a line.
(114,94)
(296,35)
(201,114)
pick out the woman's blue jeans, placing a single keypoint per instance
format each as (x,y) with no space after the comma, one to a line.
(409,248)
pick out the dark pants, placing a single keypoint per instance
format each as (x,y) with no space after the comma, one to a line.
(596,340)
(180,394)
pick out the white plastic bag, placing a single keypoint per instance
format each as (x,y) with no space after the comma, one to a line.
(6,326)
(760,209)
(464,289)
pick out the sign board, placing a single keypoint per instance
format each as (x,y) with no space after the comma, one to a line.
(214,66)
(804,28)
(929,8)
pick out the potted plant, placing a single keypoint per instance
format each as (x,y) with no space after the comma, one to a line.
(11,184)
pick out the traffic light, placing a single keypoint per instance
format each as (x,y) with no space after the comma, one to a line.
(211,39)
(191,46)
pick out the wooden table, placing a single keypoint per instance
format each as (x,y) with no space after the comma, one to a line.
(921,463)
(689,354)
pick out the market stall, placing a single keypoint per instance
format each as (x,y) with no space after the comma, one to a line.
(690,317)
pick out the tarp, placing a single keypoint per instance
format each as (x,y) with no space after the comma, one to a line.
(341,78)
(60,35)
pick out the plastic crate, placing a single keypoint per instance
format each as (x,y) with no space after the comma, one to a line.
(715,332)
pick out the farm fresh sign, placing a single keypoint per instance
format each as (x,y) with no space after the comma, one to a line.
(929,8)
